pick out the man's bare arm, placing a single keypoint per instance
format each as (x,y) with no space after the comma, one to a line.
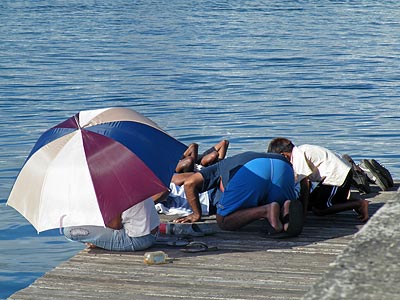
(192,186)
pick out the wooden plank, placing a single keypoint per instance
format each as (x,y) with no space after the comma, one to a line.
(248,265)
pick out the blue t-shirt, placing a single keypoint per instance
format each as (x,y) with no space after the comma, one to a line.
(249,179)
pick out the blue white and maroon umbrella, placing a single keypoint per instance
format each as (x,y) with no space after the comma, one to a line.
(91,167)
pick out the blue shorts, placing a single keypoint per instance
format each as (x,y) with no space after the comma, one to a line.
(248,180)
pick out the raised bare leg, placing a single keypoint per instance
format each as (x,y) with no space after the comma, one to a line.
(360,206)
(189,158)
(222,148)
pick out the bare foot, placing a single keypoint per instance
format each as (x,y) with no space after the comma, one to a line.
(90,246)
(286,207)
(273,210)
(363,211)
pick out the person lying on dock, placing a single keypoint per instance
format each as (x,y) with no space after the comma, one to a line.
(176,202)
(135,229)
(325,176)
(250,186)
(192,161)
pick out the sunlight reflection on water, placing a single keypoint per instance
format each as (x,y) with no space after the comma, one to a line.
(323,73)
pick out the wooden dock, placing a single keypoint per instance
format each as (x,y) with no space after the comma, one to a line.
(247,265)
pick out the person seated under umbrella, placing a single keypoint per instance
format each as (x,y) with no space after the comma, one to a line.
(133,230)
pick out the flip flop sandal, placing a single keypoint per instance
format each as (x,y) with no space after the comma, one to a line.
(173,242)
(295,218)
(194,247)
(178,243)
(272,233)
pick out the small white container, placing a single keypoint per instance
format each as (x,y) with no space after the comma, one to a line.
(156,258)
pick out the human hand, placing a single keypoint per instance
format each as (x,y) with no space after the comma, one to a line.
(188,219)
(115,223)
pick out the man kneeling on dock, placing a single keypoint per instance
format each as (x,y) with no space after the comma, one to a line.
(249,186)
(328,178)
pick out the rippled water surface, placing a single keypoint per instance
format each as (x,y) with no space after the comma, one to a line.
(322,72)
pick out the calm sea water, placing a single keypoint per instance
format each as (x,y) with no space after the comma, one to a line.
(322,72)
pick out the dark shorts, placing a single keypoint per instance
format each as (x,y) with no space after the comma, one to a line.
(325,196)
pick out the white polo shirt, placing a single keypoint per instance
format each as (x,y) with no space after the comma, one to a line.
(140,219)
(318,162)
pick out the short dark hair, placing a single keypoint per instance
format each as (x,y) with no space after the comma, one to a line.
(279,145)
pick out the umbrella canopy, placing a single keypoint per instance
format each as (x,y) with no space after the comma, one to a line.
(93,166)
